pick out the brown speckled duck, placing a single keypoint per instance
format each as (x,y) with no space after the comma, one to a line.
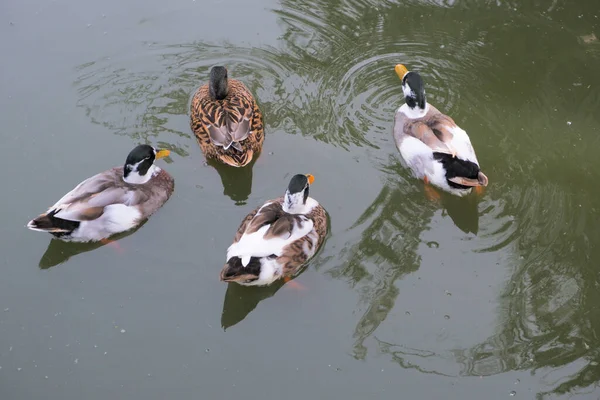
(226,120)
(110,202)
(275,240)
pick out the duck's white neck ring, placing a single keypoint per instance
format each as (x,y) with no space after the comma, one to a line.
(414,112)
(135,178)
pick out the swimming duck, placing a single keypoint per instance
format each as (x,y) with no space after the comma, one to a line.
(434,147)
(110,202)
(277,238)
(226,120)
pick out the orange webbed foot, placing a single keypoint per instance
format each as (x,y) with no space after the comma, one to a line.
(288,281)
(479,190)
(430,191)
(113,244)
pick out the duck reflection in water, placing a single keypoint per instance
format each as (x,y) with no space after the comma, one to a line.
(463,211)
(59,252)
(241,300)
(237,182)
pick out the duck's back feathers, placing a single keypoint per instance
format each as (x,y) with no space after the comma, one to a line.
(231,129)
(269,232)
(433,128)
(227,121)
(280,224)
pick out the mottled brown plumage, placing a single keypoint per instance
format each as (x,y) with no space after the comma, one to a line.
(281,225)
(294,256)
(229,130)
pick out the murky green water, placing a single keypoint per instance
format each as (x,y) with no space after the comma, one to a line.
(408,298)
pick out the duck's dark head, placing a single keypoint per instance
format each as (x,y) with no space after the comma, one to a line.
(139,162)
(217,85)
(297,192)
(412,86)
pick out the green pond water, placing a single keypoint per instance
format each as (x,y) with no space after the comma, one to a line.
(473,298)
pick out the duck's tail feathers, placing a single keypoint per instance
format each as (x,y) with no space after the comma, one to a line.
(49,223)
(237,159)
(234,268)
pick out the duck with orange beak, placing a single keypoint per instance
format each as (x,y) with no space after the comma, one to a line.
(275,240)
(433,146)
(110,202)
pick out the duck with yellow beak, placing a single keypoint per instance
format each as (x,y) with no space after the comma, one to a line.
(110,202)
(432,145)
(275,240)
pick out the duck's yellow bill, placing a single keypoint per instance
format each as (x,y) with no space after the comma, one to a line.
(311,178)
(162,153)
(401,70)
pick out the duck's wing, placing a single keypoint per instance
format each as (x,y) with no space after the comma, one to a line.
(88,199)
(213,118)
(437,140)
(88,187)
(244,225)
(449,132)
(278,223)
(297,253)
(240,110)
(227,121)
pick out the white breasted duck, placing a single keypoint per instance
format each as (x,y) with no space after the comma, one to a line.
(432,145)
(110,202)
(275,240)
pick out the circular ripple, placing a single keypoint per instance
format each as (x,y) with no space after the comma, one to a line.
(146,95)
(370,91)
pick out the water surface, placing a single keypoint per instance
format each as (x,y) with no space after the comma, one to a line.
(458,299)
